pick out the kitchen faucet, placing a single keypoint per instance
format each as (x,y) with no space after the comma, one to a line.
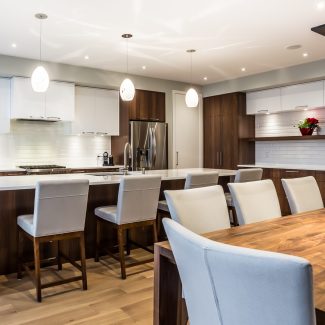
(127,155)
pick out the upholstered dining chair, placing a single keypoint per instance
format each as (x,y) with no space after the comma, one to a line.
(200,209)
(136,207)
(255,201)
(303,194)
(59,214)
(242,176)
(265,288)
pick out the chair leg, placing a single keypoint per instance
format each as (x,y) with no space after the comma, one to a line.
(59,257)
(154,229)
(83,261)
(37,269)
(19,254)
(121,252)
(234,216)
(128,245)
(97,240)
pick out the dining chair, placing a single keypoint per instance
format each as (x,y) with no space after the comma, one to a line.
(227,285)
(59,214)
(200,209)
(303,194)
(136,208)
(255,201)
(242,176)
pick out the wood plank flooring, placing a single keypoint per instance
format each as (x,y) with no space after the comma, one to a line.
(108,300)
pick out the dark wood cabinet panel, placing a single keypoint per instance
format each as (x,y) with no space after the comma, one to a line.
(13,173)
(225,123)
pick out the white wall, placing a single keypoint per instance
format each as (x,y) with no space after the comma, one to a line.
(31,142)
(289,152)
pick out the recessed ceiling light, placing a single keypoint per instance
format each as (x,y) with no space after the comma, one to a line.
(144,67)
(320,5)
(86,57)
(14,45)
(293,47)
(205,78)
(305,109)
(305,54)
(243,69)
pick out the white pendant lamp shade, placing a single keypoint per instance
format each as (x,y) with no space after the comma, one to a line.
(40,79)
(191,98)
(127,90)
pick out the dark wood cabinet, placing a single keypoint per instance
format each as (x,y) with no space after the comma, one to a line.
(226,128)
(146,106)
(13,173)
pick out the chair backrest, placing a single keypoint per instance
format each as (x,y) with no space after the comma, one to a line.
(255,201)
(60,207)
(194,180)
(303,194)
(138,198)
(200,210)
(227,285)
(248,175)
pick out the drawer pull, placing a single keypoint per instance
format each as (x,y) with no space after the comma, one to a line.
(292,171)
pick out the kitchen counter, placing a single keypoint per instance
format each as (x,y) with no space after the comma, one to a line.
(286,166)
(29,181)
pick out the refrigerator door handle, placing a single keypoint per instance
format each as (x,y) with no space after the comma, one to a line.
(154,147)
(150,148)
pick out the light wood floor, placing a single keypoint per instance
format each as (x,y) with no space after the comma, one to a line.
(108,300)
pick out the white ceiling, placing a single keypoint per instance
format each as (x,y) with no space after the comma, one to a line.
(228,35)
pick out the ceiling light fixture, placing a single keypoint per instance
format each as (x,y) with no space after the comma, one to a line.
(305,54)
(14,45)
(86,57)
(320,5)
(243,69)
(127,89)
(205,78)
(40,78)
(191,97)
(144,67)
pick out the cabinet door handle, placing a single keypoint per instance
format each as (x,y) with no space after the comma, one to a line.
(54,117)
(301,106)
(220,158)
(292,171)
(101,133)
(176,158)
(88,132)
(262,111)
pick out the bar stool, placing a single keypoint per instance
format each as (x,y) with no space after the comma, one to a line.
(59,214)
(242,176)
(136,207)
(193,180)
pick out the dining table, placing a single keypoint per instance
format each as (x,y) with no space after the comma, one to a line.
(300,235)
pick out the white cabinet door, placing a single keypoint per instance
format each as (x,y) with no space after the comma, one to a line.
(4,105)
(188,135)
(60,101)
(107,111)
(302,96)
(25,102)
(264,101)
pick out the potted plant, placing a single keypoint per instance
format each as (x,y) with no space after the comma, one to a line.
(308,125)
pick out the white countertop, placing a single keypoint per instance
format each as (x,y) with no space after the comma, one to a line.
(287,166)
(29,181)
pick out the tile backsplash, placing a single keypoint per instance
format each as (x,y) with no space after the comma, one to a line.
(32,142)
(289,152)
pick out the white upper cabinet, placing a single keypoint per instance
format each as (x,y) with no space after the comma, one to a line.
(57,103)
(60,101)
(302,96)
(97,111)
(264,101)
(4,105)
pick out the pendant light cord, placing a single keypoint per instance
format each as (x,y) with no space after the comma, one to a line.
(191,69)
(40,41)
(127,56)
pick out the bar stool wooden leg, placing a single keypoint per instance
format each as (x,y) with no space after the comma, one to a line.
(128,244)
(155,234)
(97,240)
(83,261)
(37,269)
(59,257)
(121,251)
(19,254)
(234,216)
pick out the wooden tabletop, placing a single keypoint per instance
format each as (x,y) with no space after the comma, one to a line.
(300,235)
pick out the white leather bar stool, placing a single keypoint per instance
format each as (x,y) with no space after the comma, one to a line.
(242,176)
(136,207)
(200,209)
(303,194)
(255,201)
(192,180)
(266,288)
(59,214)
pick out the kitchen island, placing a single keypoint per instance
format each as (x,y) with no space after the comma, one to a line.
(17,198)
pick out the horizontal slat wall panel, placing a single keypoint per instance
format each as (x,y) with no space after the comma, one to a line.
(31,142)
(289,152)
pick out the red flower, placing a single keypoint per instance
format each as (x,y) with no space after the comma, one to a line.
(312,121)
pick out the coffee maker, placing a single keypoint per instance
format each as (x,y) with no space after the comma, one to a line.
(107,159)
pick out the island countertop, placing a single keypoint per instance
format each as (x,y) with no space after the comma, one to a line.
(29,181)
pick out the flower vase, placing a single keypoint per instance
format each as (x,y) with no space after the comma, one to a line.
(306,131)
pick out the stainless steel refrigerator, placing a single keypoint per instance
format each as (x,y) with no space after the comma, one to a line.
(148,145)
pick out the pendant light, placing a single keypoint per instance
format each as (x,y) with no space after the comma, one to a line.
(191,97)
(127,89)
(40,78)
